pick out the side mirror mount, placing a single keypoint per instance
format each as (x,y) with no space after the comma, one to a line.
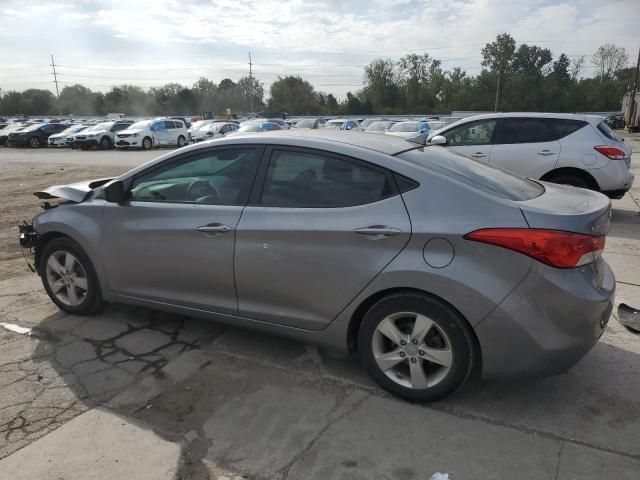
(114,192)
(438,140)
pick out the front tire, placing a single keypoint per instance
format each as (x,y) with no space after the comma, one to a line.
(416,347)
(69,277)
(146,143)
(105,143)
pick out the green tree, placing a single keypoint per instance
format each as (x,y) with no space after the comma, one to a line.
(293,95)
(499,56)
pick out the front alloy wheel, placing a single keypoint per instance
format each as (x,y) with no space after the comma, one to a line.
(67,278)
(416,346)
(34,142)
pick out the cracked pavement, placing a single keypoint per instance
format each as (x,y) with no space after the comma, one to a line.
(227,403)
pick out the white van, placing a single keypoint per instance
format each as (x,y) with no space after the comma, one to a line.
(147,134)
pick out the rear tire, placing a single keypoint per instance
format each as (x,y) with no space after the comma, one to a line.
(181,141)
(34,142)
(433,352)
(69,277)
(572,180)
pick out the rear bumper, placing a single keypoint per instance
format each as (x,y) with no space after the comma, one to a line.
(548,323)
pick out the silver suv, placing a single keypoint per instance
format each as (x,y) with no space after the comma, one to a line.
(578,150)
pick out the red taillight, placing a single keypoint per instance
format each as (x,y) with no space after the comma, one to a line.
(614,153)
(553,247)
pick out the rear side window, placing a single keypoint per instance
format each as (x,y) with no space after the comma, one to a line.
(487,179)
(607,132)
(309,180)
(169,124)
(564,127)
(524,130)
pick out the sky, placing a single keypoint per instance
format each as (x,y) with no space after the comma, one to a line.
(152,42)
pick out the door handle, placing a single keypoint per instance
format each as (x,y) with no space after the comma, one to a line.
(375,232)
(479,155)
(546,152)
(214,229)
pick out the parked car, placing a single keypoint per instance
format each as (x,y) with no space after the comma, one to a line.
(198,124)
(12,127)
(368,121)
(65,138)
(436,124)
(408,129)
(379,126)
(308,123)
(283,124)
(147,134)
(616,121)
(369,251)
(212,130)
(578,150)
(341,124)
(258,126)
(184,120)
(34,136)
(101,135)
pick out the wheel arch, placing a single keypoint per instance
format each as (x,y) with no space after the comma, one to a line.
(358,316)
(575,172)
(42,242)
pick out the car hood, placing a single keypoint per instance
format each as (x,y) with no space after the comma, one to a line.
(129,132)
(58,135)
(75,192)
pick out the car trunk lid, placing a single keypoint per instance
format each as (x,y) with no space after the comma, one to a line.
(570,209)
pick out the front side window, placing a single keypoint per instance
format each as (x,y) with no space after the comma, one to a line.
(221,177)
(524,130)
(472,133)
(313,180)
(168,124)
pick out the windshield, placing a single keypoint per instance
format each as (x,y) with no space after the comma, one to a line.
(378,126)
(478,176)
(306,123)
(200,124)
(140,125)
(333,124)
(31,128)
(606,130)
(404,127)
(251,127)
(100,127)
(72,129)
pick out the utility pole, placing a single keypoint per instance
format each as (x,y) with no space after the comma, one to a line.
(250,85)
(633,105)
(55,79)
(495,108)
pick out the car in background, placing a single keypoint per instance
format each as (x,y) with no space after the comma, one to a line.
(341,124)
(349,241)
(309,123)
(368,121)
(283,124)
(184,120)
(100,135)
(571,149)
(615,121)
(408,128)
(258,126)
(199,124)
(65,138)
(147,134)
(436,124)
(12,127)
(34,136)
(380,126)
(212,130)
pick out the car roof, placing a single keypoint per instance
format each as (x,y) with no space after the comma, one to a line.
(321,139)
(565,116)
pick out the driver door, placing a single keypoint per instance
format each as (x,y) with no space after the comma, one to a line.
(173,240)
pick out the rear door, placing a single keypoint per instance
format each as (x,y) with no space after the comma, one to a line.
(472,139)
(317,230)
(526,146)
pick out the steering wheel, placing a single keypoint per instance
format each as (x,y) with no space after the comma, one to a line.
(201,190)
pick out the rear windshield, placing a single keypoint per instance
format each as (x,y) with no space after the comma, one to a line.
(604,128)
(491,180)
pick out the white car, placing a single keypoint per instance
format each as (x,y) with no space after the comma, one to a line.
(64,138)
(147,134)
(212,130)
(408,129)
(578,150)
(342,124)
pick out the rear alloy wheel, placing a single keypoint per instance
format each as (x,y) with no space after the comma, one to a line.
(570,180)
(181,141)
(69,277)
(416,347)
(34,142)
(105,143)
(146,143)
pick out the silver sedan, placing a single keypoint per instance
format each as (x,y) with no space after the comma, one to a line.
(429,265)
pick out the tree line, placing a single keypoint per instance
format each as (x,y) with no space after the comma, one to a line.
(513,78)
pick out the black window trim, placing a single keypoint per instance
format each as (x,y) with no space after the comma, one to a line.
(259,181)
(185,157)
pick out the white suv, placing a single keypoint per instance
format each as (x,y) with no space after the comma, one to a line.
(153,133)
(579,150)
